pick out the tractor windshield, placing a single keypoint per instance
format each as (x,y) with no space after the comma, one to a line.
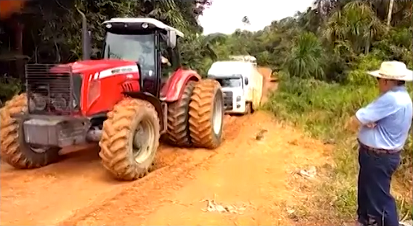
(139,48)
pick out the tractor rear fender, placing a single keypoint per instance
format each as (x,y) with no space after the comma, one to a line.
(160,109)
(175,86)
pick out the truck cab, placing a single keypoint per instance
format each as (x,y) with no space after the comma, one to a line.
(241,84)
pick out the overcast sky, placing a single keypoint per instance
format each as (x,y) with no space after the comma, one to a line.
(225,16)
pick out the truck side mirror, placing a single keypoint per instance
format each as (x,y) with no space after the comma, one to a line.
(171,39)
(246,81)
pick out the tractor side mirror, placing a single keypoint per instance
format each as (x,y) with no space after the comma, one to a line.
(165,60)
(171,39)
(246,81)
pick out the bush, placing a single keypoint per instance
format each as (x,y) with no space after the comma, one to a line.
(8,88)
(366,63)
(319,106)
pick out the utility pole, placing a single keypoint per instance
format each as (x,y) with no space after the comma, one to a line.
(390,13)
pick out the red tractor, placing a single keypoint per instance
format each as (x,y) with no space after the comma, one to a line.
(119,101)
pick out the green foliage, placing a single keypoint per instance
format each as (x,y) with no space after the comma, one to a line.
(8,88)
(358,75)
(319,106)
(307,57)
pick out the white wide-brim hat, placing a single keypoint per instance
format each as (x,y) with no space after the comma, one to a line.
(393,70)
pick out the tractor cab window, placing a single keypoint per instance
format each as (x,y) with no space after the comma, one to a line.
(166,58)
(139,48)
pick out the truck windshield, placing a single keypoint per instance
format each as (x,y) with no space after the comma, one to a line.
(139,48)
(229,82)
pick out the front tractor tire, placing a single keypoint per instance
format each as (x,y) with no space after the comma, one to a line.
(14,149)
(178,115)
(130,139)
(206,112)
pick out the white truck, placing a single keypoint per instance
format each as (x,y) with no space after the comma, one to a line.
(241,84)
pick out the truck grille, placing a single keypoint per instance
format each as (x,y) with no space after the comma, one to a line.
(228,101)
(52,89)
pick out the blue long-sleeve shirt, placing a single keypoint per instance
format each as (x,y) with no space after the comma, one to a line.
(392,113)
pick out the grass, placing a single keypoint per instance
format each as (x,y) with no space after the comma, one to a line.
(322,109)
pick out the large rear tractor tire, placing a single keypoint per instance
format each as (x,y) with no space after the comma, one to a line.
(206,112)
(178,115)
(130,139)
(14,150)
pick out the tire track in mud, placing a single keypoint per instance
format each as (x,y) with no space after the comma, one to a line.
(149,193)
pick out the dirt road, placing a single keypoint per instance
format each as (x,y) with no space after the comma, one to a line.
(244,171)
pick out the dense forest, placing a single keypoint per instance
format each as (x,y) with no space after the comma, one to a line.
(320,57)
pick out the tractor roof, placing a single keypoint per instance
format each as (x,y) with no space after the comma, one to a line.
(152,21)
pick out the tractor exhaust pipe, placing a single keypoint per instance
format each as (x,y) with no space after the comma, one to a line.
(85,37)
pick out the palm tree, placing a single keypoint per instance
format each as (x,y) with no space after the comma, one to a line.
(357,22)
(307,57)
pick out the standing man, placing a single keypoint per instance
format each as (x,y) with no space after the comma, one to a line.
(384,127)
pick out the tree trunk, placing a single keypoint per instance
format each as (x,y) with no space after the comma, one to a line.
(18,40)
(390,13)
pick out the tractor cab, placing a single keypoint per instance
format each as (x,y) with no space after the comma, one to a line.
(146,41)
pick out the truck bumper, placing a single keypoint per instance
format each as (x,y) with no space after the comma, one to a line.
(54,131)
(238,108)
(235,112)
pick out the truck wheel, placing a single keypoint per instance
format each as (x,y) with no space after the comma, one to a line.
(206,112)
(130,139)
(178,114)
(248,108)
(14,149)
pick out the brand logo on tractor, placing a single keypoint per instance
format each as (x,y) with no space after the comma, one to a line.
(114,71)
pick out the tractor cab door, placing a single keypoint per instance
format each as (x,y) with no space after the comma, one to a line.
(169,63)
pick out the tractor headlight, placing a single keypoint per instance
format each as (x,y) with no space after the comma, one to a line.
(238,98)
(38,102)
(59,103)
(145,25)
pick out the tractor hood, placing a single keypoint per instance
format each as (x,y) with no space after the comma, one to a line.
(89,66)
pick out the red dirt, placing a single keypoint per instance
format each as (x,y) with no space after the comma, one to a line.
(78,191)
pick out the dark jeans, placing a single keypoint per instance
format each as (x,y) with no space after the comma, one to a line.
(376,206)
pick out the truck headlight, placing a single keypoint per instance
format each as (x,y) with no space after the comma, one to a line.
(238,98)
